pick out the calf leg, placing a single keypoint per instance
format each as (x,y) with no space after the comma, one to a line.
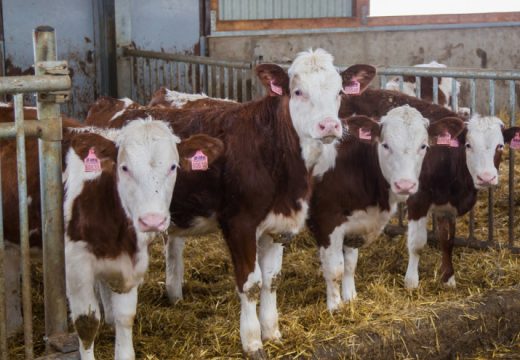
(174,268)
(350,258)
(270,256)
(446,235)
(332,266)
(84,307)
(105,293)
(12,267)
(241,240)
(417,236)
(124,308)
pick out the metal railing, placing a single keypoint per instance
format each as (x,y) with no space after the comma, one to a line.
(51,83)
(195,74)
(191,74)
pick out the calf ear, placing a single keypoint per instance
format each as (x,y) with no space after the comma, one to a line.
(447,131)
(158,97)
(211,147)
(104,149)
(274,79)
(357,78)
(512,137)
(363,128)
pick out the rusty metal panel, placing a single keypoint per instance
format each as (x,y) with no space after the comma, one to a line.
(73,21)
(283,9)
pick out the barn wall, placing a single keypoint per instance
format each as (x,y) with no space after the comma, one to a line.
(490,48)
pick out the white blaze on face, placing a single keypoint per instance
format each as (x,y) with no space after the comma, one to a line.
(402,147)
(315,87)
(483,139)
(147,169)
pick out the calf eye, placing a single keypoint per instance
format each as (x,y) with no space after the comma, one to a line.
(124,168)
(385,145)
(423,146)
(468,146)
(298,92)
(500,146)
(173,167)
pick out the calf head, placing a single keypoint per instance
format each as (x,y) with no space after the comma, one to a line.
(484,141)
(402,138)
(314,87)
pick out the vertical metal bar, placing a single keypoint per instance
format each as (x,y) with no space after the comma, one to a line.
(201,79)
(235,84)
(3,313)
(142,86)
(187,77)
(156,84)
(512,115)
(226,82)
(435,90)
(178,71)
(382,81)
(473,106)
(51,189)
(24,227)
(490,191)
(454,95)
(210,80)
(193,78)
(150,77)
(244,86)
(217,81)
(172,64)
(164,77)
(401,85)
(418,87)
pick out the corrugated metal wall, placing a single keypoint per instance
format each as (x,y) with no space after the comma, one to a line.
(283,9)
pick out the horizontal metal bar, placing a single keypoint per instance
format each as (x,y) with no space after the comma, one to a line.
(365,29)
(31,128)
(30,83)
(452,72)
(185,58)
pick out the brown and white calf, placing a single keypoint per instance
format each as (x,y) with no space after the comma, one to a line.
(445,94)
(106,109)
(167,98)
(448,187)
(262,185)
(117,195)
(377,166)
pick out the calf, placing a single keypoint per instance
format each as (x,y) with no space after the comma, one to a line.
(445,93)
(117,194)
(262,185)
(173,99)
(378,165)
(448,188)
(105,109)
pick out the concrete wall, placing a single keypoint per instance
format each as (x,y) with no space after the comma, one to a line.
(490,48)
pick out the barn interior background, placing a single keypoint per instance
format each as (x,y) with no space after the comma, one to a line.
(130,48)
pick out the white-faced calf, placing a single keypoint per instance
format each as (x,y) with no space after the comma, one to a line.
(378,165)
(448,185)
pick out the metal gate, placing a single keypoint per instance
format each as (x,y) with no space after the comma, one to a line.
(52,85)
(236,80)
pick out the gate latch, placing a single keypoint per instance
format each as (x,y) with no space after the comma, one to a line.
(57,68)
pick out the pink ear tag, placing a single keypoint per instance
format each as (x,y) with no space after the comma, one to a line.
(91,162)
(353,88)
(276,89)
(365,134)
(454,142)
(444,139)
(199,161)
(515,142)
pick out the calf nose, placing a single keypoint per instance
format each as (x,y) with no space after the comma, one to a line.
(329,127)
(486,178)
(153,222)
(405,186)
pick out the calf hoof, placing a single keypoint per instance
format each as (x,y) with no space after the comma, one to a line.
(349,296)
(174,299)
(257,355)
(411,283)
(272,335)
(451,283)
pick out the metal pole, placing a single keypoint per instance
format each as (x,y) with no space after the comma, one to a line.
(511,234)
(51,188)
(24,227)
(3,317)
